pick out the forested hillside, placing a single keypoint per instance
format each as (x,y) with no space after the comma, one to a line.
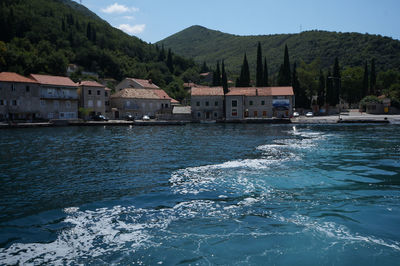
(44,36)
(352,49)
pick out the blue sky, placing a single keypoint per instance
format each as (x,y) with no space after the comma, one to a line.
(154,20)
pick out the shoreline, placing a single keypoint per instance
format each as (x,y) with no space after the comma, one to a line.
(334,119)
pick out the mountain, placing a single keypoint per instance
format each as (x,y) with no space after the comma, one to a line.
(352,49)
(44,36)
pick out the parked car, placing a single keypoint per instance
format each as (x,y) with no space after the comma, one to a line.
(130,118)
(145,117)
(296,114)
(100,118)
(309,114)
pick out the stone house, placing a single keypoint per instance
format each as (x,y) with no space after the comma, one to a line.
(136,83)
(19,97)
(58,97)
(93,96)
(258,103)
(140,102)
(207,103)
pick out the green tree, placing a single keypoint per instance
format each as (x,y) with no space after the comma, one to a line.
(364,91)
(265,75)
(170,63)
(372,82)
(204,68)
(284,77)
(244,79)
(161,55)
(321,89)
(224,79)
(217,76)
(259,68)
(336,83)
(352,84)
(330,96)
(301,99)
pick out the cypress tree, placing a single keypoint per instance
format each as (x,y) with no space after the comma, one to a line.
(204,68)
(161,56)
(284,76)
(89,31)
(321,89)
(224,81)
(301,99)
(259,69)
(265,75)
(365,87)
(336,83)
(170,63)
(245,73)
(217,76)
(329,89)
(372,83)
(63,25)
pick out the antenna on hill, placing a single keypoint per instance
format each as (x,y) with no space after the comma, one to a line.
(80,1)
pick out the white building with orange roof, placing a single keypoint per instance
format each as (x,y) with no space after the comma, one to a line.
(19,97)
(58,97)
(259,102)
(207,103)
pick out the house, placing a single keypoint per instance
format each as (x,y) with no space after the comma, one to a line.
(136,83)
(19,97)
(93,96)
(140,101)
(258,103)
(207,103)
(58,97)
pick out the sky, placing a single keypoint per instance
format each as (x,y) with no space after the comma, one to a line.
(154,20)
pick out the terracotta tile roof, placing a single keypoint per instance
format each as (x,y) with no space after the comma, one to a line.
(143,94)
(145,83)
(90,83)
(205,74)
(207,91)
(191,85)
(54,80)
(107,89)
(14,77)
(261,91)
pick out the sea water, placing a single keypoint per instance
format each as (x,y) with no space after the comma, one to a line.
(201,195)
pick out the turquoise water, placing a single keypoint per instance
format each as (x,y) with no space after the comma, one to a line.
(201,195)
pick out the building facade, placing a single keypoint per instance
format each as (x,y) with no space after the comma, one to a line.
(58,97)
(207,103)
(19,97)
(258,103)
(94,97)
(140,102)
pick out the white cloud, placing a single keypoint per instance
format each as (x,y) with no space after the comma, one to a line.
(128,17)
(134,29)
(117,8)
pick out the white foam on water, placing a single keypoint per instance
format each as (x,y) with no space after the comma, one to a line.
(333,230)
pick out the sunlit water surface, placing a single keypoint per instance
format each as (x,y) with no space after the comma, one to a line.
(200,195)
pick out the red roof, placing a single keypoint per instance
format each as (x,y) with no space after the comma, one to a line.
(143,94)
(14,77)
(54,80)
(261,91)
(163,95)
(207,91)
(145,83)
(90,83)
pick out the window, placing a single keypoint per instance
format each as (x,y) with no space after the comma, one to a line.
(1,102)
(234,103)
(98,103)
(207,103)
(255,114)
(49,91)
(98,92)
(106,103)
(90,103)
(42,103)
(166,105)
(216,103)
(12,87)
(250,102)
(198,114)
(27,89)
(234,112)
(68,104)
(197,103)
(14,102)
(56,104)
(89,92)
(262,102)
(215,114)
(264,113)
(105,93)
